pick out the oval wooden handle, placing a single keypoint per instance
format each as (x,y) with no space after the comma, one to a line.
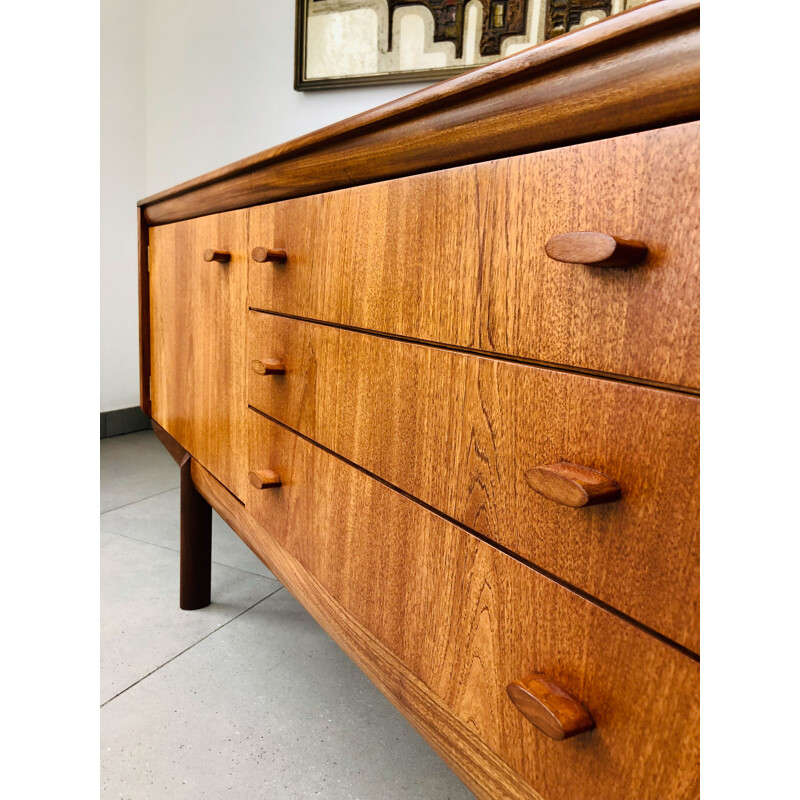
(268,366)
(572,485)
(548,706)
(264,254)
(264,478)
(220,256)
(596,249)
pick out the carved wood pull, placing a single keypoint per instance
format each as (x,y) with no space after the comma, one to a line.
(572,485)
(220,256)
(263,254)
(264,478)
(268,366)
(595,249)
(550,708)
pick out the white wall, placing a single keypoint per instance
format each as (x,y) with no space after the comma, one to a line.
(219,86)
(189,86)
(123,146)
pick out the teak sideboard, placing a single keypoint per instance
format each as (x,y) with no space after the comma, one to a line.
(438,366)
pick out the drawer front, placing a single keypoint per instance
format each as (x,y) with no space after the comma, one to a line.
(460,432)
(468,619)
(197,339)
(458,256)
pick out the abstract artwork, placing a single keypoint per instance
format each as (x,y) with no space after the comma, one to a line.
(341,42)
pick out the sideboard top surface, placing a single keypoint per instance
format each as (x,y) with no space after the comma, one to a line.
(634,71)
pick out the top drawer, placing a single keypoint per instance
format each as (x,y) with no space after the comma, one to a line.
(458,257)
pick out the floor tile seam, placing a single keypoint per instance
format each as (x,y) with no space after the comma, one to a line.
(175,550)
(186,649)
(140,500)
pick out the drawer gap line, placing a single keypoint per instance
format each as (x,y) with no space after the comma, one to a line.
(529,362)
(486,540)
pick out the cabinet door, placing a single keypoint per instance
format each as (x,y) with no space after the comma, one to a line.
(198,312)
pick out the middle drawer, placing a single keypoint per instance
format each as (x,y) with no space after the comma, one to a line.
(462,433)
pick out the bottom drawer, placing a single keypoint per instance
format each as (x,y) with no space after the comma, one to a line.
(468,620)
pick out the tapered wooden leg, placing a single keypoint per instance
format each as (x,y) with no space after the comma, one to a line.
(195,542)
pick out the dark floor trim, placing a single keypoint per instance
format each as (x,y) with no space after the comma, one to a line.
(123,420)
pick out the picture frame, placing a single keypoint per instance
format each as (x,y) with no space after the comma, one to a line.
(342,43)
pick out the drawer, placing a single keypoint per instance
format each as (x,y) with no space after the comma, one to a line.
(458,257)
(468,620)
(460,432)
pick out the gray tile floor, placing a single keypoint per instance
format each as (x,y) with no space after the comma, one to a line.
(248,698)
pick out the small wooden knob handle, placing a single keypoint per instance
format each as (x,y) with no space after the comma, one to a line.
(572,485)
(217,255)
(264,478)
(550,708)
(268,366)
(263,254)
(596,249)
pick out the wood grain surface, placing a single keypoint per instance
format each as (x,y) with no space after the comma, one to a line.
(459,432)
(467,620)
(458,257)
(198,314)
(475,763)
(635,70)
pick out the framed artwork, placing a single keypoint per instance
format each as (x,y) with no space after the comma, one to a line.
(352,42)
